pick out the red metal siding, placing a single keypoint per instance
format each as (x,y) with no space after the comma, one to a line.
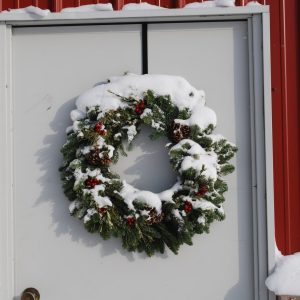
(285,75)
(285,19)
(277,64)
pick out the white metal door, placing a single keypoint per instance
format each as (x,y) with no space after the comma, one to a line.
(214,57)
(51,66)
(53,252)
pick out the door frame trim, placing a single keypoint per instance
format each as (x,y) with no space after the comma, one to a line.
(261,125)
(138,16)
(6,163)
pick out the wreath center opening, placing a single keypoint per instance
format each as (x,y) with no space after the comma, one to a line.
(147,165)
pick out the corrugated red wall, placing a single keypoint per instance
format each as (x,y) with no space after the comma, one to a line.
(285,36)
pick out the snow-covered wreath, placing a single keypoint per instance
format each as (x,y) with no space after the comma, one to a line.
(108,114)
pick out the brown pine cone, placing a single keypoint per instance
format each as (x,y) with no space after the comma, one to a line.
(185,130)
(179,132)
(105,160)
(175,126)
(176,136)
(154,217)
(93,157)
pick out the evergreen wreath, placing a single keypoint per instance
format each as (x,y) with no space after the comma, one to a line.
(146,221)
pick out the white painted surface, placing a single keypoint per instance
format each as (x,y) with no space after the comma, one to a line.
(53,252)
(51,66)
(147,165)
(214,57)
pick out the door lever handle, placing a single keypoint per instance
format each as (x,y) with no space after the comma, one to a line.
(30,294)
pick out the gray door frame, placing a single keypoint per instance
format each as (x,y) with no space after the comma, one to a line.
(261,122)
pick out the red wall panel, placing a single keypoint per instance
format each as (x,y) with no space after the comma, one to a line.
(285,24)
(279,141)
(288,223)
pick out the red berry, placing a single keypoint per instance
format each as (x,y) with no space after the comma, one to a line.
(188,207)
(142,104)
(102,132)
(202,191)
(139,107)
(92,182)
(131,221)
(99,127)
(102,210)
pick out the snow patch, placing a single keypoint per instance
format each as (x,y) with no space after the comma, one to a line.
(76,115)
(201,220)
(205,163)
(131,132)
(101,201)
(141,6)
(118,136)
(69,129)
(202,116)
(278,255)
(28,10)
(215,3)
(253,3)
(100,142)
(76,125)
(216,138)
(157,125)
(85,150)
(89,8)
(82,176)
(167,194)
(285,280)
(89,213)
(146,113)
(225,3)
(177,214)
(204,205)
(131,85)
(182,94)
(200,4)
(131,194)
(111,150)
(74,205)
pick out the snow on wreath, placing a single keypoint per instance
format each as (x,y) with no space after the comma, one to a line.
(110,113)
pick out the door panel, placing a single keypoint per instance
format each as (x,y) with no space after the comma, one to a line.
(53,251)
(51,66)
(214,57)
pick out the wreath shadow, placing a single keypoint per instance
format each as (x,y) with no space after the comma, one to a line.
(147,164)
(49,160)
